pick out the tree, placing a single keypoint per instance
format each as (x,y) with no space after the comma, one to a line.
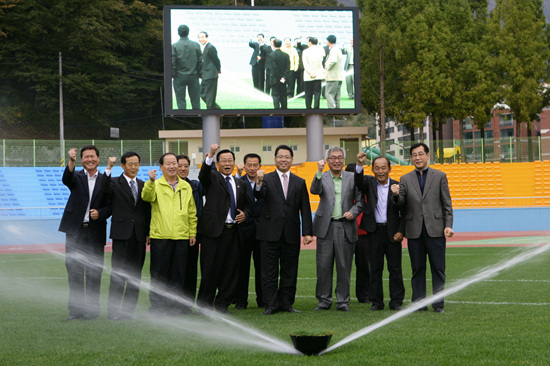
(518,42)
(380,40)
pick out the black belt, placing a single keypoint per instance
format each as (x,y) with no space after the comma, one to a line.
(337,220)
(379,225)
(229,226)
(85,225)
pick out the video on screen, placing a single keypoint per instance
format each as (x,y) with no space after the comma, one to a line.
(261,61)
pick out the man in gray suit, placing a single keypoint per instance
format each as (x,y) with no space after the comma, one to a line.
(334,77)
(335,228)
(424,193)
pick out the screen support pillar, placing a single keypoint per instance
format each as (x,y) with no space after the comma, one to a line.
(210,132)
(314,135)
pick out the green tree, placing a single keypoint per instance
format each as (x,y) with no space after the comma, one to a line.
(380,41)
(518,43)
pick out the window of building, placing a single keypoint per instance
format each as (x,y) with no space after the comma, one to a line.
(267,148)
(506,120)
(468,135)
(294,147)
(467,124)
(506,132)
(235,149)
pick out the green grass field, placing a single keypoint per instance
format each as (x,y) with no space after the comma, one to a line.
(501,321)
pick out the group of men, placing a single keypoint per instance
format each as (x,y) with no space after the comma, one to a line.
(281,68)
(192,61)
(258,215)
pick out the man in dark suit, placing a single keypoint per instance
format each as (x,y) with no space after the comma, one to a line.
(425,194)
(279,69)
(84,222)
(335,228)
(186,69)
(257,61)
(268,49)
(211,67)
(251,245)
(190,284)
(383,222)
(130,221)
(225,210)
(285,200)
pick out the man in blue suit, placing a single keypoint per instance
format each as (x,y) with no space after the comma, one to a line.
(84,222)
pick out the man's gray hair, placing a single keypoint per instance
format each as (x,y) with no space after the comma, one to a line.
(333,149)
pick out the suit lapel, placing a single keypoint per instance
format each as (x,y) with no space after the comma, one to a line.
(97,188)
(416,185)
(277,183)
(126,189)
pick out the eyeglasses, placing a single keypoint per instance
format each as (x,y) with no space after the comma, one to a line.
(417,155)
(335,158)
(287,157)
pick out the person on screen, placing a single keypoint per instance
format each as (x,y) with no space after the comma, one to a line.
(294,64)
(299,74)
(186,69)
(279,68)
(348,69)
(267,51)
(333,68)
(211,67)
(314,72)
(257,61)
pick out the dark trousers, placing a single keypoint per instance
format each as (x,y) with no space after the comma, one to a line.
(290,84)
(168,262)
(190,83)
(219,269)
(434,248)
(258,76)
(250,247)
(190,284)
(312,89)
(84,263)
(299,76)
(279,259)
(126,264)
(380,245)
(362,269)
(278,93)
(209,89)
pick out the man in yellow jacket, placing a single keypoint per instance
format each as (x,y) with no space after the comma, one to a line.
(173,230)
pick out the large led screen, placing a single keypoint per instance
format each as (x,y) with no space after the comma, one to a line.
(261,61)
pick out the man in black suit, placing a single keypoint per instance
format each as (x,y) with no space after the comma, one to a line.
(268,49)
(130,221)
(257,61)
(285,200)
(211,67)
(190,284)
(84,222)
(251,245)
(225,210)
(186,69)
(279,69)
(385,225)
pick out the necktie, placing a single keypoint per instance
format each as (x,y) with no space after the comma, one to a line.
(133,188)
(285,184)
(233,201)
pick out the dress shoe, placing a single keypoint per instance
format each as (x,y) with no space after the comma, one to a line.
(292,310)
(376,308)
(343,308)
(439,309)
(240,307)
(270,312)
(364,301)
(89,316)
(425,308)
(222,310)
(320,308)
(398,308)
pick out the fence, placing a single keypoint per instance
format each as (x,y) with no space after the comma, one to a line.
(46,153)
